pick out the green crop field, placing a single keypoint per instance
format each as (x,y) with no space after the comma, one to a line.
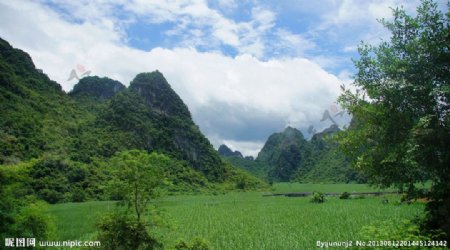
(247,220)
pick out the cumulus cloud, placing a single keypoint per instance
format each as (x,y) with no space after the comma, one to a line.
(238,100)
(354,21)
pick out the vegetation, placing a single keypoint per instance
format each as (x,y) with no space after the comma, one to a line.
(21,213)
(96,88)
(59,147)
(197,244)
(137,177)
(122,231)
(110,153)
(288,156)
(247,220)
(69,139)
(401,133)
(318,197)
(344,196)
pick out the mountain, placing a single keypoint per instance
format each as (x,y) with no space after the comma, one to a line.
(66,141)
(147,115)
(96,88)
(287,156)
(36,115)
(226,151)
(330,165)
(246,163)
(285,153)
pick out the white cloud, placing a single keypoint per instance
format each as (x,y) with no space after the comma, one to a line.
(247,148)
(230,98)
(248,36)
(188,14)
(294,43)
(227,5)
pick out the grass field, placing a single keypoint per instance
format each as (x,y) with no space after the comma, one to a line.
(247,220)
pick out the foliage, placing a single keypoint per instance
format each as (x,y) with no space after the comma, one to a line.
(96,88)
(240,179)
(344,196)
(256,168)
(287,156)
(401,133)
(73,136)
(406,230)
(55,179)
(197,244)
(36,115)
(122,231)
(21,214)
(318,197)
(34,222)
(285,153)
(168,102)
(137,177)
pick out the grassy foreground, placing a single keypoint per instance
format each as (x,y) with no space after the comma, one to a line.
(247,220)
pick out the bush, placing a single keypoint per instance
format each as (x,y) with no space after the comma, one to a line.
(197,244)
(21,214)
(78,195)
(389,230)
(241,183)
(33,222)
(344,196)
(318,197)
(122,231)
(49,195)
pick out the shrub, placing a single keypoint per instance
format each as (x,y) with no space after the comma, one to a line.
(33,222)
(318,197)
(122,231)
(78,195)
(344,196)
(241,183)
(197,244)
(21,214)
(388,230)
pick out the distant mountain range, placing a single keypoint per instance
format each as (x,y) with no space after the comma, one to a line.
(288,156)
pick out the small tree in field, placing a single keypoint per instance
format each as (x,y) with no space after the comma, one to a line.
(137,177)
(318,197)
(400,134)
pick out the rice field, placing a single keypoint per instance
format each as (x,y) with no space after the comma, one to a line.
(247,220)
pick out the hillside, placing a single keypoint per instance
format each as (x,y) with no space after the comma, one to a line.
(285,153)
(329,165)
(227,152)
(246,163)
(36,115)
(288,156)
(66,140)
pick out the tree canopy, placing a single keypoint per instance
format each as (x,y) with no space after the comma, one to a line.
(401,130)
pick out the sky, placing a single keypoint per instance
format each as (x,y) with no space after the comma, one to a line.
(245,69)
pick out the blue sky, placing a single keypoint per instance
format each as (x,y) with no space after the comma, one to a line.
(246,69)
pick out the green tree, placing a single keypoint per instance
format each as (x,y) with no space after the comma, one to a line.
(137,178)
(21,214)
(401,130)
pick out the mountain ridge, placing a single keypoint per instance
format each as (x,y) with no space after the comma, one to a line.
(68,139)
(288,156)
